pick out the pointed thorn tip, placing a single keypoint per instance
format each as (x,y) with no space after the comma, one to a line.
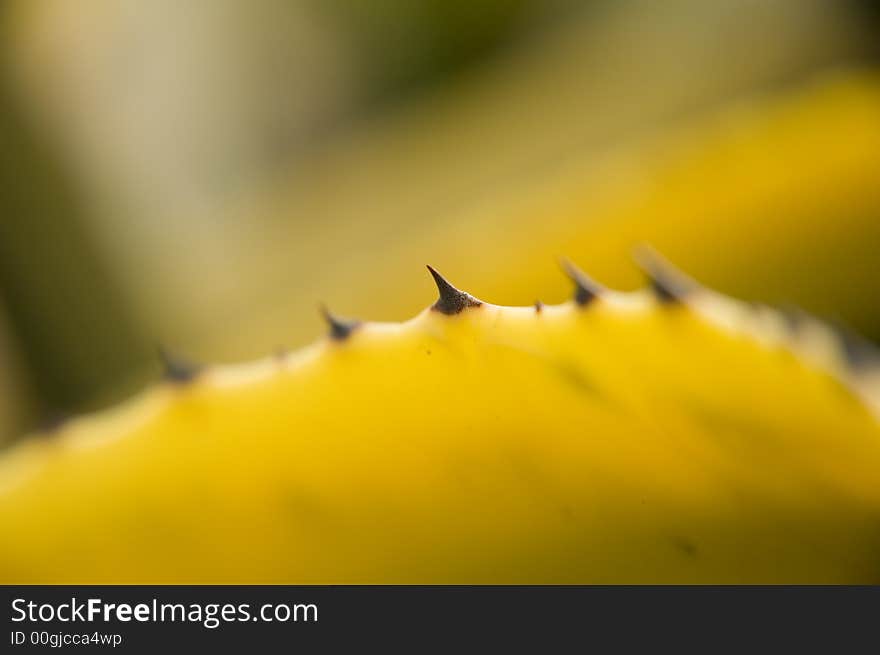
(858,353)
(670,285)
(53,422)
(585,288)
(177,369)
(339,329)
(451,300)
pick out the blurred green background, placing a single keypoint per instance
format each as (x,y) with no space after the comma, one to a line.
(170,171)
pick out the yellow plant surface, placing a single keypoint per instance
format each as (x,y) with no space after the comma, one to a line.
(663,435)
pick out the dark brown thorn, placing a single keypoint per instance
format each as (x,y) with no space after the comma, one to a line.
(860,354)
(585,288)
(53,422)
(177,369)
(538,306)
(451,300)
(795,318)
(340,329)
(669,285)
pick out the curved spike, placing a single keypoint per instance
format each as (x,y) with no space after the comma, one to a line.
(177,369)
(53,422)
(586,289)
(860,354)
(340,329)
(669,285)
(451,300)
(795,318)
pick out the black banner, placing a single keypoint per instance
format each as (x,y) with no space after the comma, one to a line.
(411,619)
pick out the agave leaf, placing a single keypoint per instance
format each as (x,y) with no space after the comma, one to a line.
(664,435)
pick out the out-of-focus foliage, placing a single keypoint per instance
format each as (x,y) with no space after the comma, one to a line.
(406,44)
(15,397)
(73,331)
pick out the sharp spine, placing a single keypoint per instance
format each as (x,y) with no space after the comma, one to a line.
(340,329)
(451,300)
(53,422)
(585,288)
(670,286)
(177,369)
(860,354)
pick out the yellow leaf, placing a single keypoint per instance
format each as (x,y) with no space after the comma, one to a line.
(665,436)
